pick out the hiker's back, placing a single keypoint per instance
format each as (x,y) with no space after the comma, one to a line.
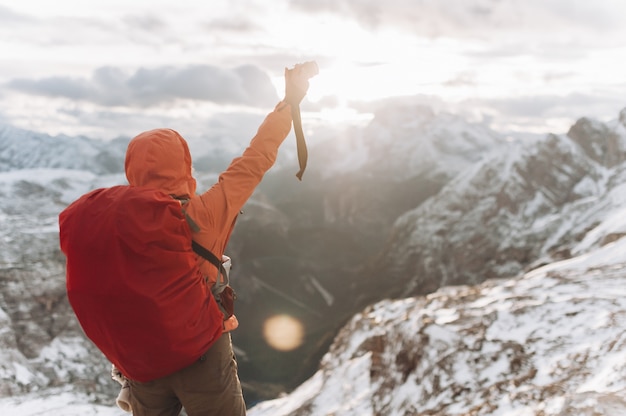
(134,282)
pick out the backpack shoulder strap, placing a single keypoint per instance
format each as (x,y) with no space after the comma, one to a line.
(206,254)
(222,275)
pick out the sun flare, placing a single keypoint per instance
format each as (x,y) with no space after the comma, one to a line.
(283,332)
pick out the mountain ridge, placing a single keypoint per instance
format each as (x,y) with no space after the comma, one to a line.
(397,226)
(537,202)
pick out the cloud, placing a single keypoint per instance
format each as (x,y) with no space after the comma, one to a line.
(545,106)
(231,130)
(235,24)
(483,19)
(8,17)
(146,22)
(148,87)
(533,113)
(540,113)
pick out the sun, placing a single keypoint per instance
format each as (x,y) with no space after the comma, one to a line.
(345,81)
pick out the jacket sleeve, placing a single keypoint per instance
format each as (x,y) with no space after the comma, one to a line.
(221,204)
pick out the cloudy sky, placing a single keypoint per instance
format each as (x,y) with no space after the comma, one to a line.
(117,67)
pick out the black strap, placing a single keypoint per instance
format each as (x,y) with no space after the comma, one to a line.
(201,251)
(222,276)
(301,144)
(206,254)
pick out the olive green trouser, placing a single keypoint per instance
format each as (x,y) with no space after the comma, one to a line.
(208,387)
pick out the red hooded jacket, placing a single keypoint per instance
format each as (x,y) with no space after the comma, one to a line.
(180,319)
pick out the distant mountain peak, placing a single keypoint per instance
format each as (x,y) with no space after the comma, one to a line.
(24,149)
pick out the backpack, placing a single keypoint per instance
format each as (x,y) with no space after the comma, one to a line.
(134,283)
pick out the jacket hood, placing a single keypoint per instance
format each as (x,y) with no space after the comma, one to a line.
(160,159)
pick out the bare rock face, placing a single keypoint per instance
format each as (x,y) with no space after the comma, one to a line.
(598,142)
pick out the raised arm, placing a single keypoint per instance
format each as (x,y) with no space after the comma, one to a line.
(223,201)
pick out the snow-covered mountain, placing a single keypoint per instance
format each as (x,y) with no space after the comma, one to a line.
(23,149)
(533,203)
(427,200)
(407,141)
(551,342)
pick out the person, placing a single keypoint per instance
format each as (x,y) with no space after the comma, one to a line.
(161,159)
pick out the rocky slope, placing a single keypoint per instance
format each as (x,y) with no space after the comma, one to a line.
(550,342)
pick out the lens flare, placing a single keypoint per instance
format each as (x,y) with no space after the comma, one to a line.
(283,332)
